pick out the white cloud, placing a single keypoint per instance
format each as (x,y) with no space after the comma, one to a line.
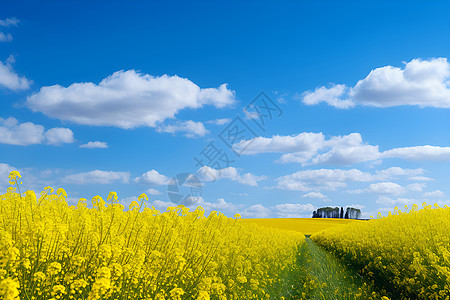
(307,143)
(206,173)
(13,133)
(416,187)
(219,121)
(332,96)
(322,179)
(312,148)
(10,79)
(126,99)
(94,145)
(190,128)
(332,179)
(256,211)
(294,210)
(420,153)
(152,177)
(240,194)
(98,176)
(384,200)
(161,205)
(9,22)
(5,169)
(23,134)
(220,205)
(423,83)
(434,194)
(57,136)
(153,192)
(347,150)
(395,172)
(309,148)
(5,37)
(420,178)
(316,195)
(386,188)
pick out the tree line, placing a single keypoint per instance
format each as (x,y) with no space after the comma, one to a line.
(335,212)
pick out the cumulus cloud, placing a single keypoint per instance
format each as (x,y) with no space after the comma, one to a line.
(5,169)
(309,148)
(423,83)
(331,95)
(385,200)
(382,188)
(395,172)
(94,145)
(420,153)
(420,178)
(434,194)
(285,210)
(316,195)
(153,192)
(98,177)
(8,22)
(57,136)
(152,177)
(9,79)
(333,179)
(346,150)
(322,179)
(219,121)
(206,173)
(294,210)
(307,143)
(220,205)
(126,99)
(190,128)
(256,211)
(5,37)
(416,187)
(23,134)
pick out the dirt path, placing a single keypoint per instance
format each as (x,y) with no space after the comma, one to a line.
(332,279)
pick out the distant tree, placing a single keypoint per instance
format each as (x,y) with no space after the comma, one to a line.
(335,212)
(352,213)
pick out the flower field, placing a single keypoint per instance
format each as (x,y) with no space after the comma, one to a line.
(407,254)
(306,226)
(50,250)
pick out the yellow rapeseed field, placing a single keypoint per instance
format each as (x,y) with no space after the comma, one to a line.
(406,253)
(306,226)
(50,250)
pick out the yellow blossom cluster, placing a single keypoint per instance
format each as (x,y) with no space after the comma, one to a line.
(51,250)
(406,253)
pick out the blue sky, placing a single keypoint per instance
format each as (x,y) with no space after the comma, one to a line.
(108,96)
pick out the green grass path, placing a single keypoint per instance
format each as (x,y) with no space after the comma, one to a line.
(331,278)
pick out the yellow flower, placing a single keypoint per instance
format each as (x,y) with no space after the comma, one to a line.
(58,289)
(99,288)
(39,276)
(54,268)
(104,272)
(176,293)
(13,176)
(203,295)
(9,289)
